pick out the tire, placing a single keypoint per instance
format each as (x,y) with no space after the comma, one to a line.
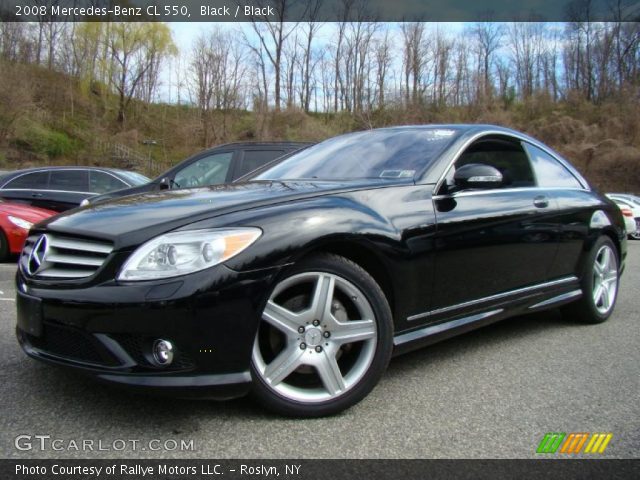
(312,361)
(4,247)
(599,285)
(635,235)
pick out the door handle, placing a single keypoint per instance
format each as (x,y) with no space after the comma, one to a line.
(541,202)
(36,195)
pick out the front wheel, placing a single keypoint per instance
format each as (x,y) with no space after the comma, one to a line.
(599,285)
(324,340)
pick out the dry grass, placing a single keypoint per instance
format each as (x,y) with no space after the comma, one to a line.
(603,141)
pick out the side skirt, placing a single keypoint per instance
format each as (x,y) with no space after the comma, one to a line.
(415,339)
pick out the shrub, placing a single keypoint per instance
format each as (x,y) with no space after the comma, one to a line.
(47,142)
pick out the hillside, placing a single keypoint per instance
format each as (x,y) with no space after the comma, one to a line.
(49,118)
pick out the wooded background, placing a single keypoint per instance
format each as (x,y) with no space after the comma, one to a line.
(96,93)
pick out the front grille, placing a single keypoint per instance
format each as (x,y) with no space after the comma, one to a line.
(73,344)
(62,257)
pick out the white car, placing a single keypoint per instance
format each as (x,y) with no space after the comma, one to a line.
(630,207)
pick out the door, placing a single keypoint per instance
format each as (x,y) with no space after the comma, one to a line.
(492,241)
(26,188)
(67,188)
(575,208)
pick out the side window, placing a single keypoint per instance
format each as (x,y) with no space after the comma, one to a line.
(29,180)
(209,170)
(507,156)
(550,172)
(100,182)
(69,180)
(254,159)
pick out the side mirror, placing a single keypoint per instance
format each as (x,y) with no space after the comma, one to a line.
(477,175)
(165,183)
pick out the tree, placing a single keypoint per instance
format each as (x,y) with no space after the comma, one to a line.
(487,38)
(414,58)
(216,70)
(272,37)
(134,47)
(307,66)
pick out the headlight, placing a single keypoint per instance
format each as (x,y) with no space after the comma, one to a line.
(84,202)
(179,253)
(19,222)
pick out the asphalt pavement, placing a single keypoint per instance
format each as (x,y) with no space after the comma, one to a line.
(492,393)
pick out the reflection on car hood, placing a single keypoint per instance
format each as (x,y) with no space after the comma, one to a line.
(136,218)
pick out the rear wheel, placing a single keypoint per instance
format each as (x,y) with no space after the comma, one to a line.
(599,285)
(324,340)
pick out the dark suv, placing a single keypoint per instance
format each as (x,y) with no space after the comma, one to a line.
(222,164)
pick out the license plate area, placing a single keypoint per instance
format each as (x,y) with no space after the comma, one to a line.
(29,314)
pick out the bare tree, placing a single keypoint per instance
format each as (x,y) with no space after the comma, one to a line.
(272,36)
(414,59)
(216,70)
(487,38)
(383,65)
(307,63)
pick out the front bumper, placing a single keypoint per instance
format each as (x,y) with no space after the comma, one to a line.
(107,330)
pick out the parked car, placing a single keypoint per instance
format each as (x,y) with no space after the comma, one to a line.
(632,204)
(15,222)
(629,221)
(62,188)
(222,164)
(300,283)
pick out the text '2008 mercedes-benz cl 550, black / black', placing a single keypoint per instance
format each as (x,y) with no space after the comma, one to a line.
(300,283)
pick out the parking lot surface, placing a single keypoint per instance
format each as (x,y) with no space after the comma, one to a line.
(492,393)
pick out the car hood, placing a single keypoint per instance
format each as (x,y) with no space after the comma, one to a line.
(31,214)
(133,219)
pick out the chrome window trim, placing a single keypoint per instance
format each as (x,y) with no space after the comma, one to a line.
(490,298)
(516,136)
(467,193)
(70,169)
(44,190)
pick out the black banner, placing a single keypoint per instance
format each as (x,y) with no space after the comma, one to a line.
(312,469)
(318,10)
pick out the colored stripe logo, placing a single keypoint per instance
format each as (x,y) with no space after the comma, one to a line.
(573,443)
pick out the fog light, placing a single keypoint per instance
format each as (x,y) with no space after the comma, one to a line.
(163,352)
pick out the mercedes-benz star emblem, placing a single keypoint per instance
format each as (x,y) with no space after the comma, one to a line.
(38,255)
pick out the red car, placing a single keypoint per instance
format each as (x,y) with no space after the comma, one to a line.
(15,222)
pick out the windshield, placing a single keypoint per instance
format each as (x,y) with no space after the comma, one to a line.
(384,154)
(135,178)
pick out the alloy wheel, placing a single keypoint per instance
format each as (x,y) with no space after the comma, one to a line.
(605,279)
(317,337)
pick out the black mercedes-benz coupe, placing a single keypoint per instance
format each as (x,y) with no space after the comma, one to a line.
(301,283)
